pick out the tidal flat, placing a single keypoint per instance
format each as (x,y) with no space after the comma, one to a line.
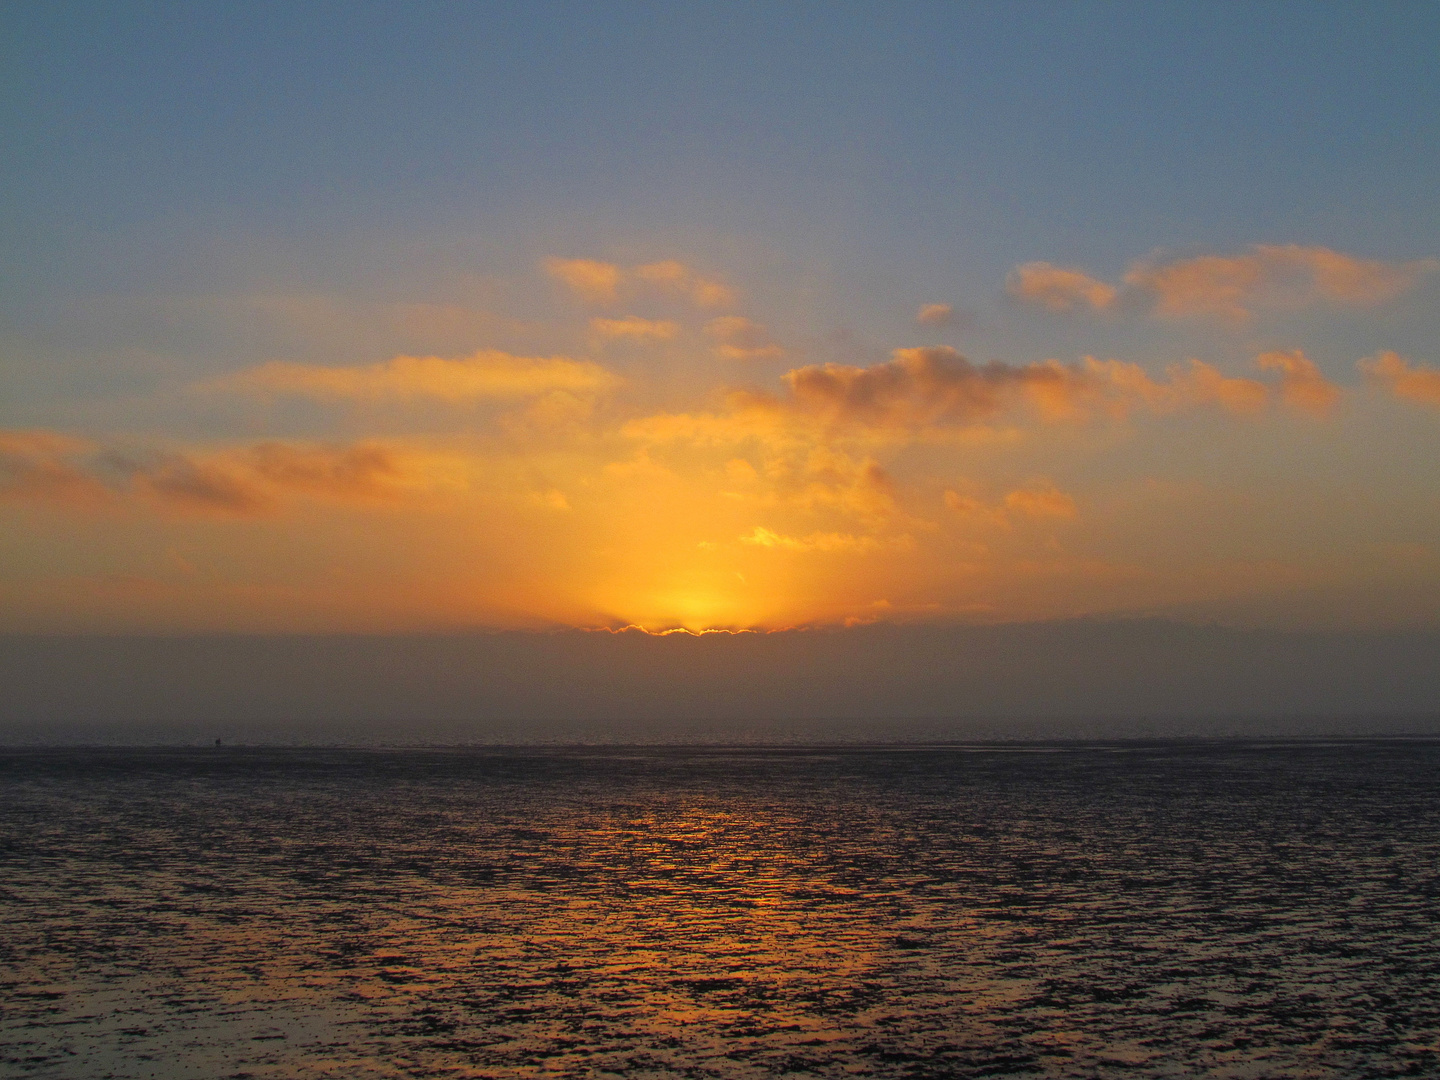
(1183,908)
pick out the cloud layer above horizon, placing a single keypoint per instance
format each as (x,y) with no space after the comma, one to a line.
(683,465)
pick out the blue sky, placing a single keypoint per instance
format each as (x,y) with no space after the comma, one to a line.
(935,137)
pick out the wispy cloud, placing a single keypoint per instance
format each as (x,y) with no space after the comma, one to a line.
(1302,386)
(185,482)
(1272,276)
(597,282)
(937,387)
(1059,288)
(676,277)
(1418,383)
(589,279)
(740,339)
(932,392)
(634,328)
(1228,287)
(935,314)
(45,466)
(1040,500)
(241,480)
(828,542)
(486,375)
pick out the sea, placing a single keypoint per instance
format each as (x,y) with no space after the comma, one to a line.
(1163,908)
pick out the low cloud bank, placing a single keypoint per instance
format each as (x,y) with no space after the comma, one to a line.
(1066,679)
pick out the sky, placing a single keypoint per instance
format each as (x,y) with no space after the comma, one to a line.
(368,318)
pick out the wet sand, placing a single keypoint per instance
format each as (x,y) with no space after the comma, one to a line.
(1178,909)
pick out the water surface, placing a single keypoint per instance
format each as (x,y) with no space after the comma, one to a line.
(1140,910)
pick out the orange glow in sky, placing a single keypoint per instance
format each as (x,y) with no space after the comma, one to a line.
(663,459)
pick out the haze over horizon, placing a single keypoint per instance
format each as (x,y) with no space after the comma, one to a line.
(1076,679)
(335,320)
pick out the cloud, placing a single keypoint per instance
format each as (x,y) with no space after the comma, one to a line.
(917,388)
(42,466)
(929,392)
(49,467)
(1043,500)
(599,282)
(972,507)
(366,470)
(676,277)
(936,387)
(1059,288)
(935,314)
(1301,384)
(1420,383)
(810,477)
(552,499)
(187,483)
(1231,287)
(589,279)
(823,478)
(249,480)
(488,374)
(741,339)
(633,328)
(667,274)
(1040,500)
(242,480)
(711,294)
(823,542)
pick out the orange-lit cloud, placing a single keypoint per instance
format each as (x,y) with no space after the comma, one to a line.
(917,388)
(1301,384)
(1042,500)
(675,277)
(824,478)
(43,466)
(937,387)
(589,279)
(1269,275)
(243,480)
(740,339)
(829,542)
(634,328)
(1039,501)
(1418,383)
(597,282)
(1059,288)
(668,274)
(711,294)
(362,471)
(1229,287)
(931,392)
(184,482)
(1117,388)
(488,374)
(828,493)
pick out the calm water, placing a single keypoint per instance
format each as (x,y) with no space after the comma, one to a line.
(1179,909)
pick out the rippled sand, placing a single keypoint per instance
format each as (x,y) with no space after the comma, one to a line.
(1221,910)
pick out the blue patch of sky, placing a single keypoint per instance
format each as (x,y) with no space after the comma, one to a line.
(901,152)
